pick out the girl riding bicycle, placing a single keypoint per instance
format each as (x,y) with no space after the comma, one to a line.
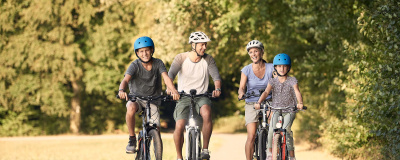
(285,91)
(255,77)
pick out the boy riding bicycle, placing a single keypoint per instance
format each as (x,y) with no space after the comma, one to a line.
(144,78)
(285,94)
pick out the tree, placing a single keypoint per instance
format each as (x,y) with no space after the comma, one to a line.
(49,48)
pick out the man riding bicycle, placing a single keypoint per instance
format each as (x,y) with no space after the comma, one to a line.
(193,69)
(144,78)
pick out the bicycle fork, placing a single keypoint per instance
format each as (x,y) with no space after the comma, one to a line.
(196,140)
(282,132)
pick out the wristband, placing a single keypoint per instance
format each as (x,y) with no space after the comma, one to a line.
(218,89)
(120,90)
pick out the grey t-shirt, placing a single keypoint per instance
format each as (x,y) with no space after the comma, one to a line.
(283,95)
(144,82)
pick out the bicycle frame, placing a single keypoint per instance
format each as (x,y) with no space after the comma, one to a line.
(191,125)
(282,131)
(143,134)
(146,127)
(262,121)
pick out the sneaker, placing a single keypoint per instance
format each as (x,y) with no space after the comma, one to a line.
(269,155)
(130,148)
(205,154)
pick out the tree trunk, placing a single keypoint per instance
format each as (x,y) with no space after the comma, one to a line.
(75,117)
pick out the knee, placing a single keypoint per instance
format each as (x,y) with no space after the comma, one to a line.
(251,138)
(205,112)
(131,109)
(180,126)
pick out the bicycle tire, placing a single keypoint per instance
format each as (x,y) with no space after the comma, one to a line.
(276,147)
(262,144)
(255,152)
(192,145)
(154,146)
(139,153)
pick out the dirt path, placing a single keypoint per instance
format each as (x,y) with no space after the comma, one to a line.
(222,146)
(232,148)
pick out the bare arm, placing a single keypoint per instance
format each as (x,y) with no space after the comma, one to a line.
(217,84)
(122,94)
(298,96)
(265,94)
(170,86)
(242,86)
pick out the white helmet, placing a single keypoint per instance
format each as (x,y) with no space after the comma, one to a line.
(198,37)
(255,43)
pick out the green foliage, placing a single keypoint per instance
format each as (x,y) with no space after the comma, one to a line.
(345,56)
(47,45)
(376,74)
(365,125)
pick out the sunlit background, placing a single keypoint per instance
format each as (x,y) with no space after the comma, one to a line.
(61,63)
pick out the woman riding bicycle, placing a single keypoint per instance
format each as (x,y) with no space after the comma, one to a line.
(285,94)
(255,77)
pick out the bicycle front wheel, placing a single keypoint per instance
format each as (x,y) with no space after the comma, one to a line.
(155,147)
(262,144)
(140,153)
(193,145)
(277,147)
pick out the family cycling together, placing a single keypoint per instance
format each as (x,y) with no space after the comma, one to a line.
(269,81)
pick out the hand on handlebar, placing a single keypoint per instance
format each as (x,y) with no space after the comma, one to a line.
(175,95)
(216,93)
(123,95)
(299,106)
(240,96)
(257,106)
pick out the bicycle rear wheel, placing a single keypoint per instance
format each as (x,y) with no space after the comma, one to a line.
(276,147)
(262,144)
(155,148)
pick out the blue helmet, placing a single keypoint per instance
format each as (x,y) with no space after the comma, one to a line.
(282,59)
(142,42)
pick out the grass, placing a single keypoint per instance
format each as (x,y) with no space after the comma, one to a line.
(105,147)
(230,124)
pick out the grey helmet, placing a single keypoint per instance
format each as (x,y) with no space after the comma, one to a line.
(254,43)
(198,37)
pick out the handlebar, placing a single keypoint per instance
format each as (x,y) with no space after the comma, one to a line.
(193,94)
(148,98)
(251,94)
(294,110)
